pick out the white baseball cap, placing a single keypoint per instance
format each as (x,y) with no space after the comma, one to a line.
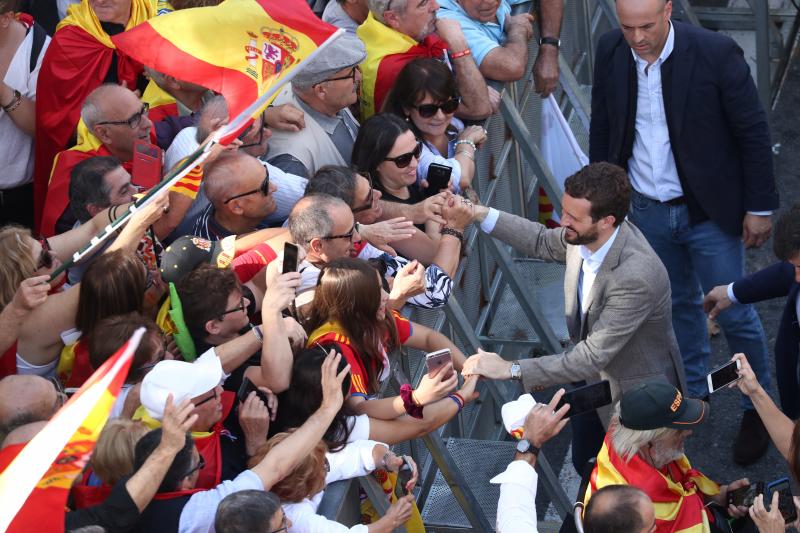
(181,379)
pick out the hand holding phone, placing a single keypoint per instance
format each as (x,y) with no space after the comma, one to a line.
(289,258)
(438,359)
(404,475)
(745,496)
(438,177)
(246,388)
(785,500)
(586,398)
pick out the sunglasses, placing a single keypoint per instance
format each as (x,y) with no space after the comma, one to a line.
(402,161)
(242,136)
(448,107)
(201,464)
(369,201)
(263,188)
(206,400)
(348,235)
(134,122)
(45,256)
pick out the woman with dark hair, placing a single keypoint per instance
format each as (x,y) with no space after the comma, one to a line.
(425,94)
(365,330)
(785,435)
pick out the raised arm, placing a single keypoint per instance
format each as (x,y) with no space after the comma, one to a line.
(469,80)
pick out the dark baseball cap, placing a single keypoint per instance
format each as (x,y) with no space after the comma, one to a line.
(188,252)
(655,404)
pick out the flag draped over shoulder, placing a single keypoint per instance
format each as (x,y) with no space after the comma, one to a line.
(35,485)
(239,48)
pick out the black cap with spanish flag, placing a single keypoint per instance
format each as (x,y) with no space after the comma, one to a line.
(656,404)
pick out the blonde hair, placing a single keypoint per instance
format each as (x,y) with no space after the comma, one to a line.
(307,478)
(113,454)
(627,442)
(16,261)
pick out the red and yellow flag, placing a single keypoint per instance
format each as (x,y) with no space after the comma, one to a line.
(239,48)
(35,485)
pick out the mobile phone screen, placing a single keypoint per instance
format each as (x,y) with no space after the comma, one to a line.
(744,496)
(289,257)
(586,398)
(723,376)
(785,501)
(246,388)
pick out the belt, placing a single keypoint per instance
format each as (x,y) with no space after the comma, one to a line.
(680,200)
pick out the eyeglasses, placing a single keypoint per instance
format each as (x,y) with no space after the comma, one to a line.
(206,400)
(240,307)
(61,395)
(45,256)
(448,107)
(134,122)
(160,357)
(351,76)
(263,188)
(370,200)
(348,235)
(247,132)
(201,464)
(402,161)
(284,526)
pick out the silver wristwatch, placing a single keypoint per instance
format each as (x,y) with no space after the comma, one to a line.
(516,371)
(524,446)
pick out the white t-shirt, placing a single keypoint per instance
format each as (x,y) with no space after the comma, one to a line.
(16,146)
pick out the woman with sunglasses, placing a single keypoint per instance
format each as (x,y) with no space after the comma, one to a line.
(425,95)
(39,341)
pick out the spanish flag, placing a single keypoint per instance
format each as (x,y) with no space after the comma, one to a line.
(677,490)
(240,48)
(34,486)
(77,62)
(388,51)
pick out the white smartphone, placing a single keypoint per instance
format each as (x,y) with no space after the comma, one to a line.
(723,376)
(436,360)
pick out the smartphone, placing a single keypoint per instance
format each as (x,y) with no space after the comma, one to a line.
(403,477)
(785,501)
(438,177)
(723,376)
(438,359)
(744,496)
(586,398)
(246,388)
(147,163)
(289,257)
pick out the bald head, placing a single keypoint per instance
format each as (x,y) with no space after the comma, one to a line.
(102,100)
(312,216)
(25,399)
(645,26)
(23,433)
(228,175)
(617,508)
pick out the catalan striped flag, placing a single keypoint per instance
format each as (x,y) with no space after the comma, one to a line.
(35,485)
(677,495)
(240,48)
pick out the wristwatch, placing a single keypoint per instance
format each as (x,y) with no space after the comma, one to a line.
(551,41)
(524,446)
(516,371)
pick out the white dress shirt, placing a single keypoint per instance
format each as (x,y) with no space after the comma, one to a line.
(590,266)
(652,166)
(516,507)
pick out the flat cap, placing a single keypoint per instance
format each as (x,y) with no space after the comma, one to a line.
(345,52)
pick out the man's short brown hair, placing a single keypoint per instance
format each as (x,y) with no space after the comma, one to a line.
(786,243)
(204,296)
(607,188)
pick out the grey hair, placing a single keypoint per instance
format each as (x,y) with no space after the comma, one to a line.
(379,7)
(311,217)
(628,442)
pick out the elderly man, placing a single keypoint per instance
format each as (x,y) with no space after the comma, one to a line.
(397,31)
(698,211)
(323,90)
(25,399)
(644,448)
(115,119)
(79,59)
(499,41)
(240,196)
(173,103)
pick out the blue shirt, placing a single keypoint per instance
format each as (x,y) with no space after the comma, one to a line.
(482,37)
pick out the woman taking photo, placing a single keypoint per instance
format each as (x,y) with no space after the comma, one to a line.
(425,95)
(365,331)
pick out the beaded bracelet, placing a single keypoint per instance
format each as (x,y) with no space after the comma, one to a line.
(466,141)
(16,99)
(453,233)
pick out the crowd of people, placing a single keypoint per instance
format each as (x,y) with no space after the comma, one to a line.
(259,379)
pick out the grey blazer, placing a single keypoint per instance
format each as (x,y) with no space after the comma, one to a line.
(626,334)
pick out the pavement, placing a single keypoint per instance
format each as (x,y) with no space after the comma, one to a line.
(709,448)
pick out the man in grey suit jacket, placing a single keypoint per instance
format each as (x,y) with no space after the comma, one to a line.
(616,293)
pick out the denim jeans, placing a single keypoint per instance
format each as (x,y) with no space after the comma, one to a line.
(698,258)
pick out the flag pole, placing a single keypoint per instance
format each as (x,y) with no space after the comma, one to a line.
(222,136)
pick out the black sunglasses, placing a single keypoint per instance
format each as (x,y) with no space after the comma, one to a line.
(348,235)
(132,122)
(450,106)
(402,161)
(370,200)
(242,136)
(263,188)
(201,464)
(45,256)
(206,400)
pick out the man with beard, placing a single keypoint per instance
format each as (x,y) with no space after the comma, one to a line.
(616,296)
(644,449)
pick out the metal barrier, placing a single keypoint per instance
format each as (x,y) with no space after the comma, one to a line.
(502,302)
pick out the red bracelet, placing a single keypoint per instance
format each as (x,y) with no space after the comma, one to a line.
(462,53)
(457,395)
